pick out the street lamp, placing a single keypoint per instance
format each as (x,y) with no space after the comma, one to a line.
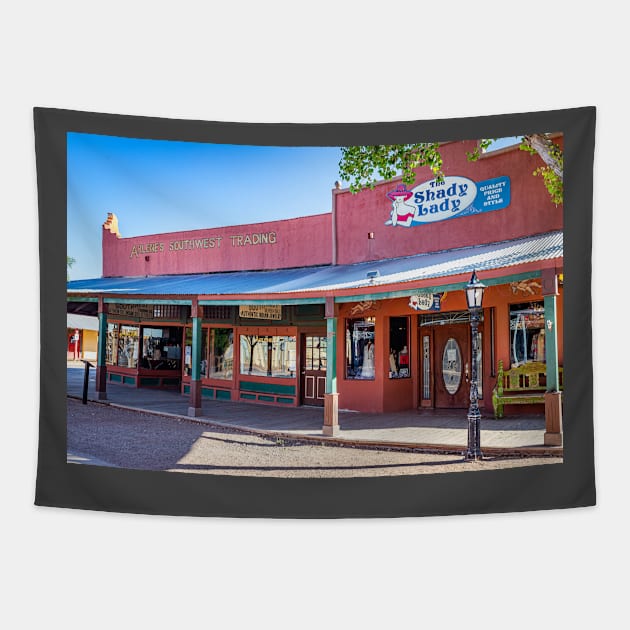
(474,298)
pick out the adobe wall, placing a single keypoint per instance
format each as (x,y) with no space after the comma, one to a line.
(385,395)
(530,210)
(361,225)
(270,245)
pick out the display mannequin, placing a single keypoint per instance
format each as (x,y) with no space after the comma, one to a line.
(540,345)
(393,368)
(403,361)
(367,369)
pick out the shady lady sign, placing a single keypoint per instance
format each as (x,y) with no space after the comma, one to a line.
(455,196)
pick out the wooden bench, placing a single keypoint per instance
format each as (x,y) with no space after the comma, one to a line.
(522,385)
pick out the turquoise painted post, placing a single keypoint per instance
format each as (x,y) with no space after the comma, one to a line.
(195,374)
(102,340)
(194,404)
(331,355)
(553,396)
(551,344)
(331,397)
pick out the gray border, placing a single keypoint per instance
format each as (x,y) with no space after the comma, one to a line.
(571,484)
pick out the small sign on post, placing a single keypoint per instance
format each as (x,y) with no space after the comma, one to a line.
(86,380)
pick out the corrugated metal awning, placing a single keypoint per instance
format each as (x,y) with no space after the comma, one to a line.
(328,278)
(82,322)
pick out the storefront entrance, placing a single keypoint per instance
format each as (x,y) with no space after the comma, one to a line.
(313,373)
(452,366)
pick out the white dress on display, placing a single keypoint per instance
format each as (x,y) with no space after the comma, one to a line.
(367,369)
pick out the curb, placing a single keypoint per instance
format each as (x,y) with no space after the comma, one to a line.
(323,440)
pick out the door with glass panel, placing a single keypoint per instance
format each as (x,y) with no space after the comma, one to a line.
(452,366)
(314,350)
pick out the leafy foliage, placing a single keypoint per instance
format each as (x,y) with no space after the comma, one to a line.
(69,262)
(554,185)
(482,145)
(363,165)
(360,165)
(552,172)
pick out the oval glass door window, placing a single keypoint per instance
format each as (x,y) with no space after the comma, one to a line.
(452,366)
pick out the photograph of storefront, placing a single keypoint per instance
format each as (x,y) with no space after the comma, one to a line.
(360,308)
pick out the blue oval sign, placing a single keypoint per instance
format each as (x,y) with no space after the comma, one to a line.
(455,196)
(436,201)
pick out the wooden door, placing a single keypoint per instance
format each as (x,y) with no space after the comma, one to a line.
(314,351)
(451,356)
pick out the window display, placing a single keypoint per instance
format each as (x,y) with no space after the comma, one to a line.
(161,348)
(399,347)
(111,344)
(221,347)
(128,346)
(360,348)
(266,355)
(527,333)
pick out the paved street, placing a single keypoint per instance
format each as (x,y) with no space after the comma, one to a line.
(102,435)
(427,428)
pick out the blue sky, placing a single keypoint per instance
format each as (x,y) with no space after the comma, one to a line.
(501,143)
(156,186)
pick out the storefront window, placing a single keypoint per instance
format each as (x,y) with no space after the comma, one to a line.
(128,346)
(152,345)
(221,362)
(203,362)
(527,332)
(266,355)
(188,352)
(161,348)
(111,344)
(399,365)
(360,348)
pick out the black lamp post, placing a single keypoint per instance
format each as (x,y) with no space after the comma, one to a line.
(474,298)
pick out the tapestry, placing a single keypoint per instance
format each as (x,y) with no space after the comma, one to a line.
(315,320)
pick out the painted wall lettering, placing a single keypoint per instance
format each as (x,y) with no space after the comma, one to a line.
(262,245)
(214,242)
(195,243)
(264,238)
(146,248)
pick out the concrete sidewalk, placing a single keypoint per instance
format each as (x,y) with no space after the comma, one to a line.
(428,429)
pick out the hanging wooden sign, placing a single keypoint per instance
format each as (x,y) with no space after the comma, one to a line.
(260,311)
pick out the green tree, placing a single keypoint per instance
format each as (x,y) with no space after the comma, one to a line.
(69,262)
(362,165)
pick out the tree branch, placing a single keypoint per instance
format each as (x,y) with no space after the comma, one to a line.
(549,152)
